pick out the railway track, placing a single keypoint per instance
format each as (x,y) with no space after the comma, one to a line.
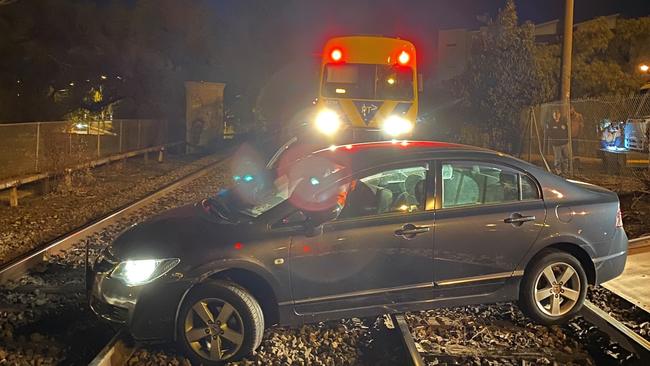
(43,290)
(615,329)
(22,264)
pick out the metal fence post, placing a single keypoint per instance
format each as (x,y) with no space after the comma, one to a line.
(139,132)
(530,133)
(38,138)
(121,134)
(99,141)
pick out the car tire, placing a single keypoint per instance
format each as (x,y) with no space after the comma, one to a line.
(219,318)
(553,288)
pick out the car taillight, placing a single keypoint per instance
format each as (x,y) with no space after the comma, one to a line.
(619,218)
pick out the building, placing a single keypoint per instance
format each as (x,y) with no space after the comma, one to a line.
(454,45)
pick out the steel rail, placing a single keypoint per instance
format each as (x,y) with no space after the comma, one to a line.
(616,330)
(639,244)
(117,352)
(21,265)
(407,339)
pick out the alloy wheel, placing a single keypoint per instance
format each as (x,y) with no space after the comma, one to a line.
(557,289)
(214,329)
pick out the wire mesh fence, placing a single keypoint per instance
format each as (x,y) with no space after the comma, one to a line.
(609,137)
(36,147)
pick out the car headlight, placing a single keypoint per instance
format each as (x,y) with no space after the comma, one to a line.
(328,121)
(395,126)
(143,271)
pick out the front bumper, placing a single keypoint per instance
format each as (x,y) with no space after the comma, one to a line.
(148,311)
(612,264)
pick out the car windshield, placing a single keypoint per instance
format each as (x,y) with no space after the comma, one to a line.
(368,81)
(277,194)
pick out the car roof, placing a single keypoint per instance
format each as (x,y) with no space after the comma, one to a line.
(386,152)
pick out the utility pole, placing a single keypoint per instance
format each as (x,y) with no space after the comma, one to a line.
(567,49)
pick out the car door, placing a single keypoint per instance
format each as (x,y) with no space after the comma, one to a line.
(488,216)
(378,251)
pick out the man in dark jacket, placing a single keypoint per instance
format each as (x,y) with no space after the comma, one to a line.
(557,132)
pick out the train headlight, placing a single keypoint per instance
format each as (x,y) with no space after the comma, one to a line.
(328,121)
(395,126)
(140,272)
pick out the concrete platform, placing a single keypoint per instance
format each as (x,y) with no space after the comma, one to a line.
(634,284)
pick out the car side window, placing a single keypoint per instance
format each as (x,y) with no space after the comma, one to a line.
(473,183)
(393,190)
(529,189)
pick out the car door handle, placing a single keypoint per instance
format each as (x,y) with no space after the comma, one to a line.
(409,231)
(518,219)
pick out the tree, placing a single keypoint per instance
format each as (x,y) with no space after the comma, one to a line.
(139,52)
(604,59)
(501,78)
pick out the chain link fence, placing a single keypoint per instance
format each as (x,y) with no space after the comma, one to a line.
(27,148)
(609,138)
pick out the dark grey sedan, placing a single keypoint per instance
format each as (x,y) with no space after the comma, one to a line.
(359,230)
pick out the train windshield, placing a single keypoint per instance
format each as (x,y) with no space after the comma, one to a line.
(368,81)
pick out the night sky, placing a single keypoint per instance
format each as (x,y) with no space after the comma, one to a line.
(300,30)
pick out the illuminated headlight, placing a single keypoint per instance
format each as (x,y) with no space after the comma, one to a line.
(328,122)
(140,272)
(395,126)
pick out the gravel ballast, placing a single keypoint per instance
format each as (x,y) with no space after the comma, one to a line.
(96,192)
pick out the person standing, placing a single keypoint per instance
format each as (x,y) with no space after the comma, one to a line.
(557,132)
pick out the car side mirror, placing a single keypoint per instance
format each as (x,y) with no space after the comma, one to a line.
(309,229)
(313,225)
(322,216)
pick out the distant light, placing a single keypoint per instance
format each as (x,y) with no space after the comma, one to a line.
(306,248)
(17,81)
(314,181)
(404,58)
(390,81)
(81,125)
(71,84)
(17,94)
(644,67)
(336,55)
(236,178)
(238,245)
(403,207)
(340,91)
(119,77)
(248,178)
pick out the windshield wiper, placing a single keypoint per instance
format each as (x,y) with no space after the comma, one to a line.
(218,207)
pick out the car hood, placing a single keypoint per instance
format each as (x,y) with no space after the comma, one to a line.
(182,232)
